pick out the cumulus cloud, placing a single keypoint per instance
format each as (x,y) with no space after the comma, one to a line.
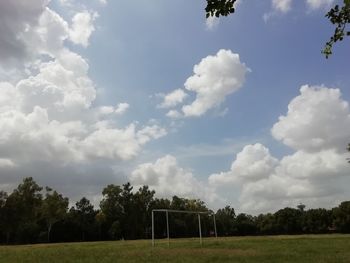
(316,174)
(117,144)
(253,163)
(104,2)
(316,119)
(174,114)
(121,108)
(173,98)
(6,163)
(212,22)
(278,7)
(215,77)
(167,178)
(282,5)
(60,85)
(82,28)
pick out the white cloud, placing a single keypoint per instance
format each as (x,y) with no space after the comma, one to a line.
(167,178)
(117,144)
(121,108)
(278,7)
(215,77)
(60,85)
(6,163)
(253,163)
(48,37)
(173,98)
(104,2)
(174,114)
(150,132)
(317,4)
(317,119)
(82,28)
(282,5)
(212,22)
(105,110)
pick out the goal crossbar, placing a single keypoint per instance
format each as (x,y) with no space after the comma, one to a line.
(167,211)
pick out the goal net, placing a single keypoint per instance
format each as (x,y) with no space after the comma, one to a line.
(199,214)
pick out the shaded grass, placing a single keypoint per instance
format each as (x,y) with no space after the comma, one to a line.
(305,248)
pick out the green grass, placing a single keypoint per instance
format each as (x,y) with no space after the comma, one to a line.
(308,248)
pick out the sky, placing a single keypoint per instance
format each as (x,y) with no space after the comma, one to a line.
(242,111)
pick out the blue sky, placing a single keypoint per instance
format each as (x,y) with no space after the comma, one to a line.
(137,52)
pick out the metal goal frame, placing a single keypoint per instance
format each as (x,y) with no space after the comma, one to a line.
(167,211)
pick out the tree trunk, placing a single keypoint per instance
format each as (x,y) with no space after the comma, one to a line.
(7,237)
(48,232)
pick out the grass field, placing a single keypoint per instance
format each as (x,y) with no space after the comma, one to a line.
(308,248)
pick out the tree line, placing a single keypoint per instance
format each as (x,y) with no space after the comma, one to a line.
(33,214)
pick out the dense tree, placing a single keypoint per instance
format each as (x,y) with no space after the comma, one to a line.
(341,217)
(100,219)
(266,224)
(288,221)
(3,197)
(225,218)
(143,202)
(128,219)
(111,203)
(54,209)
(27,217)
(84,214)
(317,221)
(23,208)
(244,225)
(301,207)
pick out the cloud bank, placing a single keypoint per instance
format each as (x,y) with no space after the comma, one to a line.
(48,115)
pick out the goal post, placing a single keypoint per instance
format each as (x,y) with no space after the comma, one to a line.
(198,213)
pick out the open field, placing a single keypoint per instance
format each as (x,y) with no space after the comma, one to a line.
(308,248)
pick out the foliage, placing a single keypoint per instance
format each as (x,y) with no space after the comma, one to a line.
(341,216)
(220,7)
(225,218)
(340,17)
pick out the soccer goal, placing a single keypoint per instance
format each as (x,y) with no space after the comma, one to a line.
(167,211)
